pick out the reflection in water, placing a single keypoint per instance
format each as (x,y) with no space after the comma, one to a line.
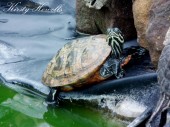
(74,116)
(29,106)
(17,110)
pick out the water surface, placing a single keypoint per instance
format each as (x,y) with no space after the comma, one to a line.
(18,110)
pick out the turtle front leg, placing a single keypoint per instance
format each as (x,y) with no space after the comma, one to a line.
(119,72)
(53,98)
(112,67)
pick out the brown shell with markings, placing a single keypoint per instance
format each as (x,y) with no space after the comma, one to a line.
(78,63)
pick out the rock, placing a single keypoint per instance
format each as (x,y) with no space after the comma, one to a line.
(141,17)
(84,19)
(97,4)
(163,73)
(129,109)
(167,125)
(164,61)
(159,22)
(113,13)
(167,38)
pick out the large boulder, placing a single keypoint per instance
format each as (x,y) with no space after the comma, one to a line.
(159,23)
(94,17)
(85,18)
(141,10)
(164,62)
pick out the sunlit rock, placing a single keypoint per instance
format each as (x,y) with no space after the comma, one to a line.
(159,22)
(141,10)
(129,109)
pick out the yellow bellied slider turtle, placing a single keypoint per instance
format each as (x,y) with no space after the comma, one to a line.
(86,61)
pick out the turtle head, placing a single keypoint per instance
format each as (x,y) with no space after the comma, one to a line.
(114,32)
(115,40)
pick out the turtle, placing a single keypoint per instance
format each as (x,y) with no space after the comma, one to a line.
(85,61)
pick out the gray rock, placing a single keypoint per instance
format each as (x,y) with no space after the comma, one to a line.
(158,25)
(113,13)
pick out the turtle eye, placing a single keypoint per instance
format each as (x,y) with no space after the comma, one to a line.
(117,30)
(109,30)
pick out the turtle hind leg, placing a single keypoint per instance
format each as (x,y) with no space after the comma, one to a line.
(136,52)
(118,70)
(53,97)
(163,105)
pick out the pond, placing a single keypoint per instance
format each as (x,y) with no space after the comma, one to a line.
(28,41)
(18,110)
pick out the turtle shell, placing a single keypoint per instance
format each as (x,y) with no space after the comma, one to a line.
(77,62)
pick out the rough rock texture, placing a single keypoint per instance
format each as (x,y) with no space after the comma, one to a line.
(141,10)
(159,23)
(164,62)
(85,19)
(115,13)
(164,78)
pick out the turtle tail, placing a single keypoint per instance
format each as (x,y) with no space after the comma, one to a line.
(161,108)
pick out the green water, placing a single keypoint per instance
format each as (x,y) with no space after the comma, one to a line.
(17,110)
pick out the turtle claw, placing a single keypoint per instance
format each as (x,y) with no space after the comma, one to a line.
(120,74)
(53,98)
